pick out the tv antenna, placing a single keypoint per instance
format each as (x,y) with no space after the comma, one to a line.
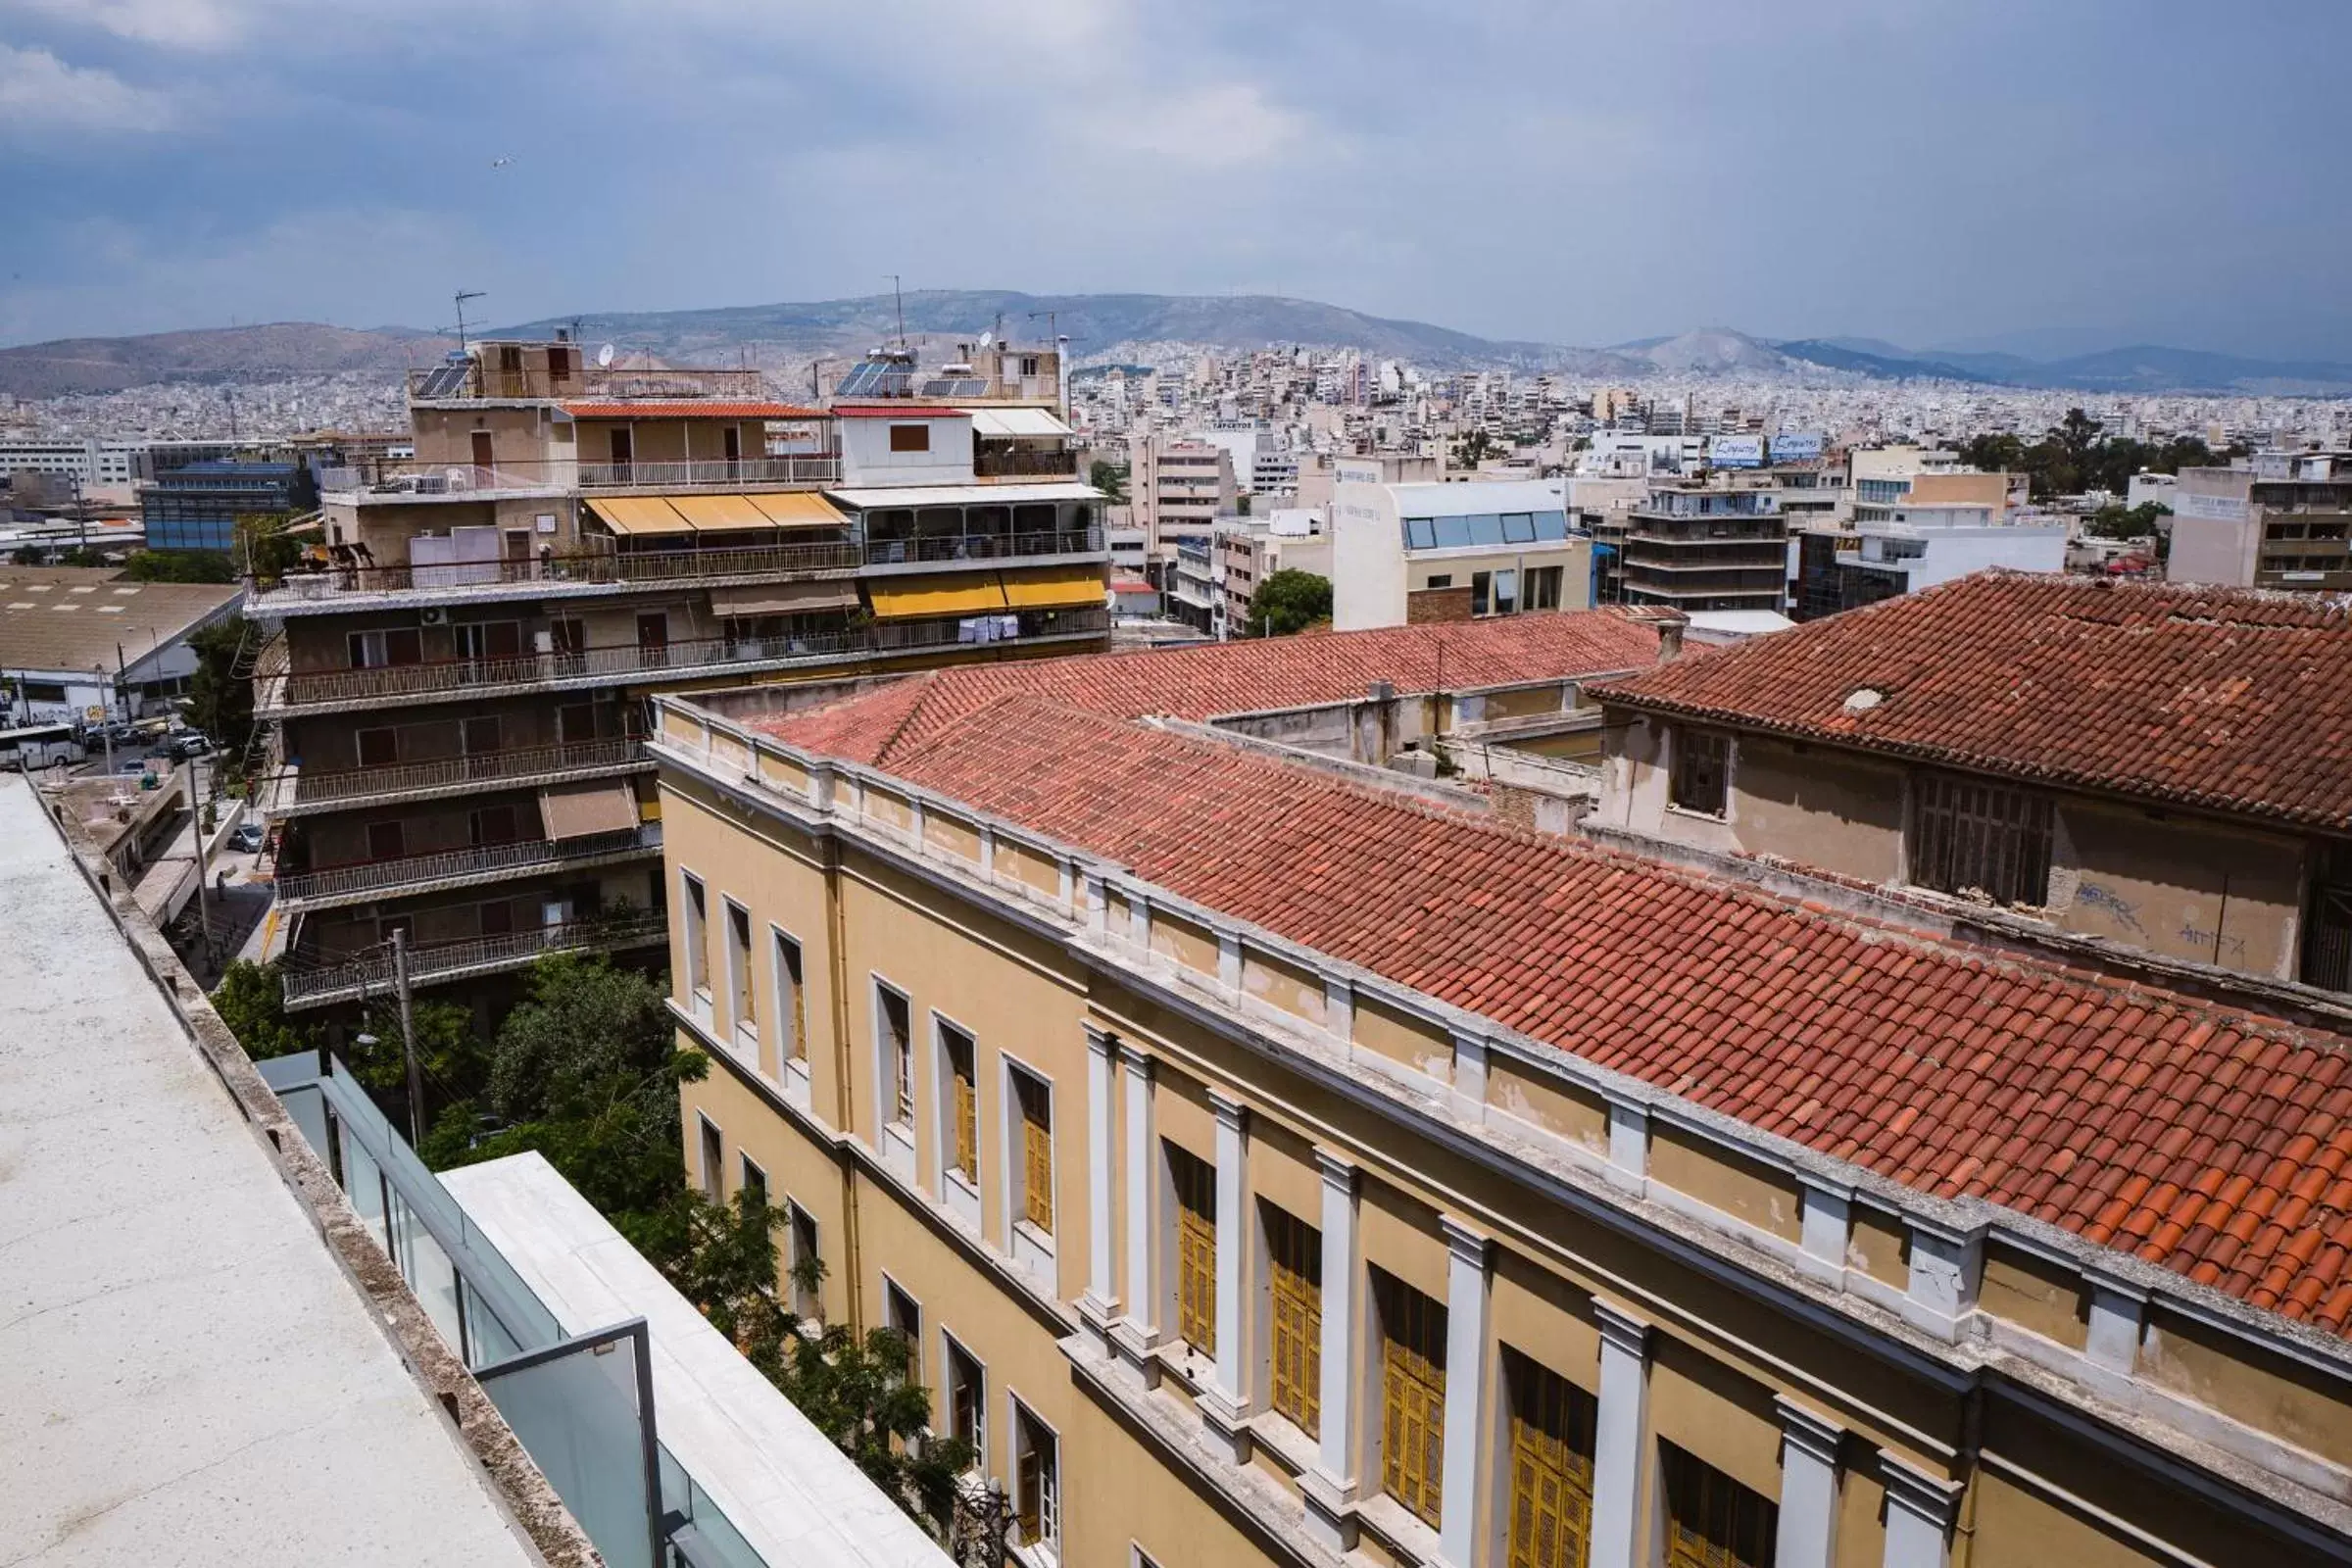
(463,295)
(898,296)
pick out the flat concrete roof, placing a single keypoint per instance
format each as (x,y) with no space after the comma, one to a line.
(796,1499)
(186,1373)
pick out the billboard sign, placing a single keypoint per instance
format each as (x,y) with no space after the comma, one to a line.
(1736,451)
(1796,446)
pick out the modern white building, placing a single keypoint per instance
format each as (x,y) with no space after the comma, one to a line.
(1409,552)
(1922,545)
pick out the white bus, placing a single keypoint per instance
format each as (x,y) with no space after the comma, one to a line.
(39,746)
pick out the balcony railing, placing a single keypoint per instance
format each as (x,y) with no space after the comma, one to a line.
(409,479)
(810,468)
(984,547)
(343,785)
(357,977)
(595,381)
(411,872)
(1005,462)
(631,661)
(635,566)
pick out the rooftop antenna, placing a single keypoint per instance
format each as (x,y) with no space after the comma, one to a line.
(228,395)
(463,295)
(899,297)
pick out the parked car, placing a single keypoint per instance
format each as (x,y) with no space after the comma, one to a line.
(187,742)
(248,837)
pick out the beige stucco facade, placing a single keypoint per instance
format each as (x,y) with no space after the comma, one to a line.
(1909,1384)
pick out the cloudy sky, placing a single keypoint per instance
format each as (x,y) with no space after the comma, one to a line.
(2078,172)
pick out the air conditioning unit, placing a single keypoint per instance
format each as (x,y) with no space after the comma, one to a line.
(434,617)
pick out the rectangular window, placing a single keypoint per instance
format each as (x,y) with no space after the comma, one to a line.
(904,1314)
(1036,1105)
(910,438)
(1543,587)
(1972,837)
(714,1161)
(898,1054)
(1697,780)
(379,748)
(739,968)
(963,1076)
(376,650)
(698,940)
(1412,1394)
(386,841)
(791,1006)
(2327,928)
(1441,579)
(1195,1182)
(1037,1479)
(1552,1465)
(802,1253)
(1711,1520)
(1507,593)
(755,1183)
(967,1400)
(1295,1252)
(1482,585)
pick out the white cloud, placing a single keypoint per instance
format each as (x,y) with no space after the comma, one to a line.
(40,91)
(168,23)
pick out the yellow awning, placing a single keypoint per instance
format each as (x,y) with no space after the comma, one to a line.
(639,514)
(799,509)
(943,594)
(783,599)
(1053,588)
(721,513)
(577,811)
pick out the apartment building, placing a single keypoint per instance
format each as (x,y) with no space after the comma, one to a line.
(1403,553)
(2282,520)
(196,505)
(1247,550)
(2141,766)
(1179,488)
(1407,1188)
(458,692)
(1917,544)
(1719,544)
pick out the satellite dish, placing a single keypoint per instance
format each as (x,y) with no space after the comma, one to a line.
(604,356)
(985,338)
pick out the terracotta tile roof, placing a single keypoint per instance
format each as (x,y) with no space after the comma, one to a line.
(2209,1140)
(2228,699)
(1205,680)
(689,408)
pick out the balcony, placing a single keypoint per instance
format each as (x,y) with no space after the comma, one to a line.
(279,693)
(815,468)
(983,546)
(409,479)
(304,792)
(479,381)
(370,974)
(550,576)
(1024,462)
(365,881)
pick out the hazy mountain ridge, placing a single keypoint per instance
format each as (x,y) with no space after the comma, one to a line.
(787,336)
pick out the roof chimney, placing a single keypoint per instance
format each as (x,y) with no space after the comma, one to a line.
(1670,637)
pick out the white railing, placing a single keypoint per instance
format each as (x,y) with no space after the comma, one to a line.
(311,788)
(423,871)
(817,468)
(373,971)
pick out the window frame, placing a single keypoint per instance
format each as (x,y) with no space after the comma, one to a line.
(892,1293)
(894,1069)
(1024,1205)
(960,1102)
(711,1158)
(1556,1442)
(2024,860)
(1679,1470)
(1684,745)
(1048,1535)
(792,995)
(743,991)
(909,436)
(1412,1394)
(951,1350)
(1295,1318)
(806,1302)
(751,1176)
(693,908)
(1193,1198)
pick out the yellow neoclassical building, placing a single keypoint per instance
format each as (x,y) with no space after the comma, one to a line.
(1274,1158)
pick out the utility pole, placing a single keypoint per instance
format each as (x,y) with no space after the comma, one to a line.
(407,1037)
(204,868)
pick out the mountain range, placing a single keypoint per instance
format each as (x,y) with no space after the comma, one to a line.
(786,337)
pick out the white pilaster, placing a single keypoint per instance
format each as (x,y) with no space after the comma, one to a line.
(1629,1145)
(1808,1536)
(1470,1076)
(1467,1290)
(1620,1438)
(1227,1404)
(2116,1310)
(1100,1302)
(1329,1486)
(1919,1514)
(1945,1266)
(1139,1329)
(1827,1218)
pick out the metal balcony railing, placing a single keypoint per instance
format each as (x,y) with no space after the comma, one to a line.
(315,985)
(310,788)
(984,546)
(416,871)
(602,566)
(586,381)
(812,468)
(630,662)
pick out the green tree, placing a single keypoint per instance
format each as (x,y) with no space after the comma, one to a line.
(251,1000)
(1288,601)
(268,549)
(1474,449)
(2118,521)
(179,566)
(220,700)
(1108,477)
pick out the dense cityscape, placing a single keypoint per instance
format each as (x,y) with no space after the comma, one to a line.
(934,927)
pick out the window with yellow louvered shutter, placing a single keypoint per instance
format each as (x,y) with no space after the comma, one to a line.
(1412,1394)
(1711,1520)
(1552,1465)
(1196,1183)
(1295,1252)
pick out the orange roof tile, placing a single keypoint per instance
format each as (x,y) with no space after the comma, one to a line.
(2143,1120)
(2225,699)
(1205,681)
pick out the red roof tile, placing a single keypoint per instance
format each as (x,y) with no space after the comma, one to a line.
(2018,1081)
(2228,699)
(1209,679)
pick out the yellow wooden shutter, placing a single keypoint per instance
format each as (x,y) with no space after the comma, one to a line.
(967,1123)
(1297,1328)
(1711,1520)
(1552,1467)
(1037,1141)
(1412,1399)
(1197,1280)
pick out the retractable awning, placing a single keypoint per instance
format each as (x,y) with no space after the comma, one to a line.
(940,594)
(720,514)
(577,811)
(783,599)
(799,509)
(1053,588)
(632,515)
(1007,424)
